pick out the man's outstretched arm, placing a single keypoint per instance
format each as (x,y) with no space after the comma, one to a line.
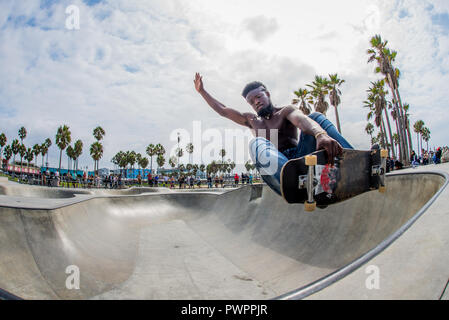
(221,109)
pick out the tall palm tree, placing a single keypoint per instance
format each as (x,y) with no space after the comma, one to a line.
(384,57)
(36,151)
(334,95)
(406,108)
(426,136)
(378,103)
(22,134)
(3,141)
(44,149)
(301,101)
(22,153)
(48,145)
(63,138)
(70,152)
(151,152)
(318,93)
(369,129)
(189,150)
(418,126)
(143,163)
(7,153)
(29,156)
(172,162)
(160,161)
(96,152)
(78,152)
(15,147)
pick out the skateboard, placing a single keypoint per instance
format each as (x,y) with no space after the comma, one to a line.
(312,181)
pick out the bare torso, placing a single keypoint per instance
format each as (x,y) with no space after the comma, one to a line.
(287,133)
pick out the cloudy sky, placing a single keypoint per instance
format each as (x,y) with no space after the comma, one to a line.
(129,67)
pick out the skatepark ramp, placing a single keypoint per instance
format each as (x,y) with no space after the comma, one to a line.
(246,243)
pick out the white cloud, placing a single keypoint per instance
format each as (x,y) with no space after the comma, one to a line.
(130,66)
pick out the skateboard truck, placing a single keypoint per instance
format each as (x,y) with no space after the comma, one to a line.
(310,183)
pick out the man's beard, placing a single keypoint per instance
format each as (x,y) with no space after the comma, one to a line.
(266,112)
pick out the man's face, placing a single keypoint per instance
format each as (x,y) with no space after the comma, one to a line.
(258,98)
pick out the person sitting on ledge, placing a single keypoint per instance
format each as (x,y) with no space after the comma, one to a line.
(273,125)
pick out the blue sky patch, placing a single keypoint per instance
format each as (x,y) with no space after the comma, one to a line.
(441,19)
(130,69)
(92,2)
(403,14)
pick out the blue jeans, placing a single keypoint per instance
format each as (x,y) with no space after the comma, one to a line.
(269,160)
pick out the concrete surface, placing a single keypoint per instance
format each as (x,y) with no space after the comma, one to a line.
(165,244)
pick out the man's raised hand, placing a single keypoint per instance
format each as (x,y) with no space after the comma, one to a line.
(198,82)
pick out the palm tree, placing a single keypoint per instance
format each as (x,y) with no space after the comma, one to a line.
(369,129)
(138,159)
(7,152)
(301,101)
(63,138)
(418,126)
(22,134)
(426,136)
(377,103)
(3,141)
(406,107)
(189,149)
(70,156)
(78,152)
(334,95)
(172,162)
(96,152)
(22,153)
(48,145)
(44,150)
(384,58)
(36,151)
(15,147)
(29,155)
(151,152)
(143,163)
(98,133)
(319,91)
(160,161)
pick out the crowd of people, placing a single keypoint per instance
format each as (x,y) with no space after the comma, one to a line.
(441,154)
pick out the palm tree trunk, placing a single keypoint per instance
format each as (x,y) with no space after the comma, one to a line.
(400,116)
(337,119)
(383,135)
(389,131)
(60,158)
(409,149)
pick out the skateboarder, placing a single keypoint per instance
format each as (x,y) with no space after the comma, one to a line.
(276,131)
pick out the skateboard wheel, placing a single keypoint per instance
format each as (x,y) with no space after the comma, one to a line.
(383,153)
(382,189)
(311,160)
(309,207)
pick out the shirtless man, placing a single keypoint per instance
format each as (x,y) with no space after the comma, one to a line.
(273,125)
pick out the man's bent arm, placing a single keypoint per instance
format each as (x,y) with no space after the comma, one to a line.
(304,123)
(311,127)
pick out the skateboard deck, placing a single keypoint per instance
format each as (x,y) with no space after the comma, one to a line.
(312,181)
